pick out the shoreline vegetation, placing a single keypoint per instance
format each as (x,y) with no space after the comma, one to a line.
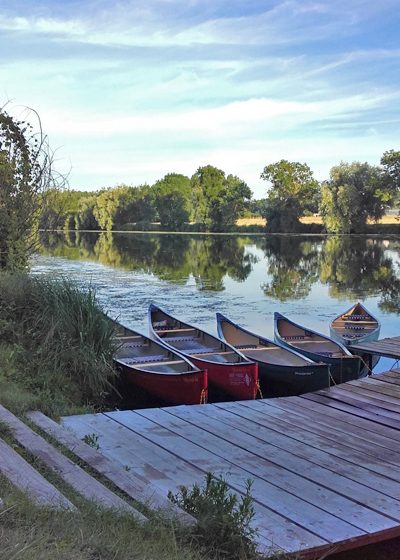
(56,350)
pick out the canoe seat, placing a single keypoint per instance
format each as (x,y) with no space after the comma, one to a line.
(294,337)
(354,327)
(200,350)
(143,359)
(245,346)
(178,338)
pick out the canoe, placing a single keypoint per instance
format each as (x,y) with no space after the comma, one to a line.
(230,374)
(161,372)
(355,325)
(318,347)
(282,372)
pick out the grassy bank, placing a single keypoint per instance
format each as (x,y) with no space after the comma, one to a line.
(56,347)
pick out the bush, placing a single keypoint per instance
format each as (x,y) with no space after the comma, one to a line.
(60,344)
(224,523)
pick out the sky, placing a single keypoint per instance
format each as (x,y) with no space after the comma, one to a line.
(129,91)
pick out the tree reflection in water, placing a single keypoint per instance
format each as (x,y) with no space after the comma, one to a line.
(352,267)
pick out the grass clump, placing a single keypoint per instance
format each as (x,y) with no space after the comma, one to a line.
(56,346)
(224,527)
(32,533)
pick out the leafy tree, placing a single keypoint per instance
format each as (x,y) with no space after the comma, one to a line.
(173,200)
(226,208)
(293,192)
(390,162)
(26,174)
(84,218)
(218,200)
(356,191)
(206,183)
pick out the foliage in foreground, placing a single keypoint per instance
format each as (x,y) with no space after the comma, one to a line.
(56,345)
(224,521)
(32,533)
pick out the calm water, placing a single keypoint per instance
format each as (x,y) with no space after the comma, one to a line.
(309,278)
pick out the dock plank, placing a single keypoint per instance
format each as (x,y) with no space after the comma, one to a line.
(352,406)
(70,472)
(168,472)
(318,466)
(179,421)
(135,486)
(22,475)
(338,423)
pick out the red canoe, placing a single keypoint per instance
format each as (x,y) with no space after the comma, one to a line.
(159,370)
(228,370)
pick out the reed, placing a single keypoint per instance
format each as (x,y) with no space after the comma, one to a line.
(56,343)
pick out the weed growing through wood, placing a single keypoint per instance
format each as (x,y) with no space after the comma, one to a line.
(92,440)
(224,521)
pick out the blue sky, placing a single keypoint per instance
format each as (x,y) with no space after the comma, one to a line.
(129,91)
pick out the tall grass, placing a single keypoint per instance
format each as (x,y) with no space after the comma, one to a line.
(56,344)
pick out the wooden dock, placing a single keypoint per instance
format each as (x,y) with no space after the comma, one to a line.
(386,347)
(325,466)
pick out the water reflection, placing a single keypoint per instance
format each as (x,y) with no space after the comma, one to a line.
(352,267)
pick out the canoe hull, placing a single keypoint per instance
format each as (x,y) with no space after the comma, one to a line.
(369,337)
(174,389)
(284,381)
(238,381)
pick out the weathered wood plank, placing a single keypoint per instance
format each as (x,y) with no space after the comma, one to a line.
(385,402)
(22,475)
(70,472)
(135,452)
(281,502)
(342,395)
(352,406)
(349,437)
(179,421)
(319,466)
(339,422)
(390,379)
(168,472)
(133,485)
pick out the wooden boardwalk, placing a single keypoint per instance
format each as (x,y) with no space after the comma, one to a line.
(325,466)
(387,347)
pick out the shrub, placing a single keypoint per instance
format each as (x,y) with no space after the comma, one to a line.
(224,522)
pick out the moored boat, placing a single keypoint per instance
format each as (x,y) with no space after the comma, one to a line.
(355,325)
(230,374)
(281,371)
(158,370)
(318,347)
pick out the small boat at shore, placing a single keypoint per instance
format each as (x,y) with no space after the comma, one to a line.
(318,347)
(281,371)
(355,325)
(229,372)
(158,370)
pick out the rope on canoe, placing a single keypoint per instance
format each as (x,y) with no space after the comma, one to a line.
(395,364)
(259,390)
(203,398)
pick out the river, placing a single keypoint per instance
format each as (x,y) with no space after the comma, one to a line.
(309,278)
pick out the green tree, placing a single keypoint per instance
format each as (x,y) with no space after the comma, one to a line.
(356,191)
(218,200)
(206,183)
(26,174)
(173,200)
(84,217)
(390,162)
(228,205)
(293,192)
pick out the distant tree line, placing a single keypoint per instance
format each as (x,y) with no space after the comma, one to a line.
(212,200)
